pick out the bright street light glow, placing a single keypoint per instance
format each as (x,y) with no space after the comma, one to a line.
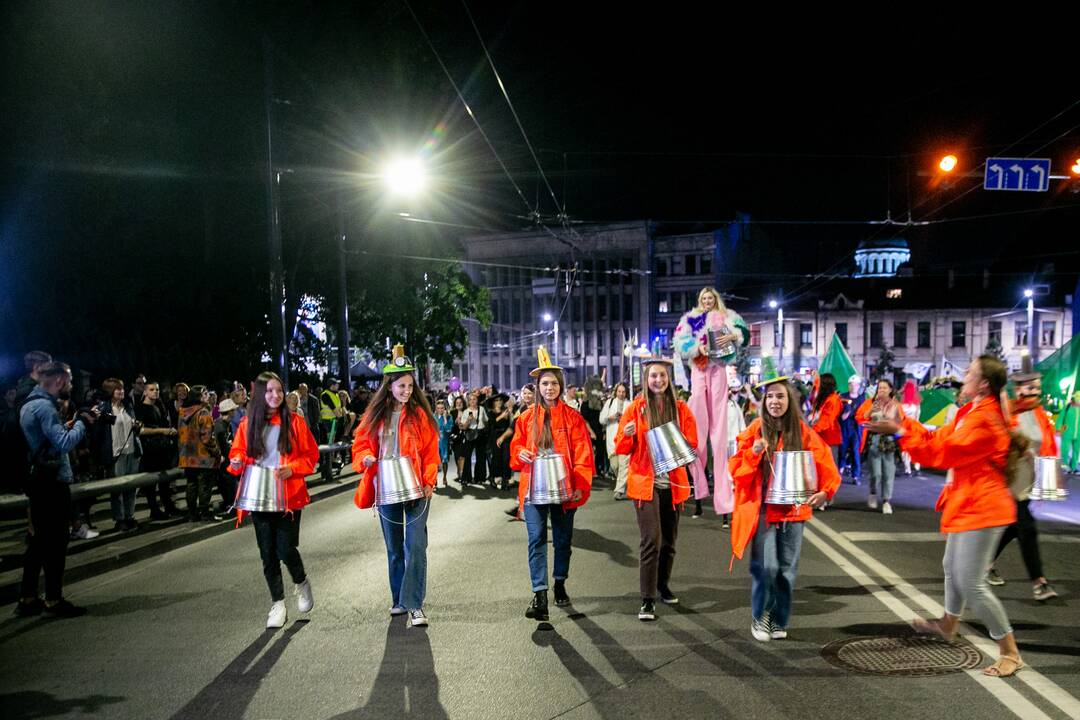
(1076,167)
(547,317)
(772,304)
(948,163)
(405,176)
(1028,292)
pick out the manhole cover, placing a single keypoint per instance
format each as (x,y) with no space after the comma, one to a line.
(913,655)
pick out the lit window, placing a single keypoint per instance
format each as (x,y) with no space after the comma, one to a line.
(894,293)
(663,306)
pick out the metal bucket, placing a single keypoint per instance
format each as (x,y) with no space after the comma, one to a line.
(668,448)
(260,491)
(732,448)
(718,350)
(548,482)
(1049,480)
(396,482)
(794,478)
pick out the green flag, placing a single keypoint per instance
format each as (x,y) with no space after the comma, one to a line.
(1061,373)
(837,363)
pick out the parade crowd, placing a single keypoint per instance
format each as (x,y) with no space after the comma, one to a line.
(722,439)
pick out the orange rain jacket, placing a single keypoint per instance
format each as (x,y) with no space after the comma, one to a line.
(640,476)
(745,469)
(828,422)
(302,460)
(973,447)
(572,441)
(862,415)
(418,440)
(1048,447)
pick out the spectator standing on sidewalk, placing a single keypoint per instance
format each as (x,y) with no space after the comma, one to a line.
(49,491)
(609,418)
(330,410)
(33,361)
(223,438)
(138,387)
(118,449)
(158,440)
(198,453)
(180,392)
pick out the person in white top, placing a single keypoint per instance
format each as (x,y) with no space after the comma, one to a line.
(473,421)
(609,418)
(119,449)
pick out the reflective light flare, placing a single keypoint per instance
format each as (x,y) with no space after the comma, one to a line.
(948,163)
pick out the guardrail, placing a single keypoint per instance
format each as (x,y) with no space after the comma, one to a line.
(97,488)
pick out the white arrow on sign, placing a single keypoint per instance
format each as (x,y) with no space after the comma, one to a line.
(1042,176)
(1000,174)
(1019,171)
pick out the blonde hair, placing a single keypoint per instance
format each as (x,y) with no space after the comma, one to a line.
(720,306)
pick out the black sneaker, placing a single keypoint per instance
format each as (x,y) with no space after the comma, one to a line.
(647,612)
(29,609)
(538,608)
(667,597)
(64,609)
(561,598)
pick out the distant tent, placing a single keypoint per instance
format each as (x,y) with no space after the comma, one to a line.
(935,405)
(361,371)
(837,363)
(1060,370)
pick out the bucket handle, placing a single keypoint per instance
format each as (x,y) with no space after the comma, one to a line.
(407,522)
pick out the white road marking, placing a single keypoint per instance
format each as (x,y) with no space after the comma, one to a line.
(935,537)
(1038,682)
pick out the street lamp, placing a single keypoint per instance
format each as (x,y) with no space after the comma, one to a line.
(555,344)
(1029,293)
(773,304)
(405,176)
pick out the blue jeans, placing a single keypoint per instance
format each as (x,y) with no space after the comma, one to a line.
(851,440)
(774,562)
(406,551)
(882,472)
(562,530)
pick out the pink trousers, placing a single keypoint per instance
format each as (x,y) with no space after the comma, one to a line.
(708,402)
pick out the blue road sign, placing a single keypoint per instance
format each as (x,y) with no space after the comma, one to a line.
(1024,174)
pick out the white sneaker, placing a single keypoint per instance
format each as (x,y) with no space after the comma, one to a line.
(886,508)
(397,610)
(305,600)
(84,533)
(871,502)
(761,629)
(277,615)
(418,618)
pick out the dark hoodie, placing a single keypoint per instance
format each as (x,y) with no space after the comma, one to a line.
(196,437)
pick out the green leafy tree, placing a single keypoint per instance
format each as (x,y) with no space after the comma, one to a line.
(420,306)
(884,367)
(994,348)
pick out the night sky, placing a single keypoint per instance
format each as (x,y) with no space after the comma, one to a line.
(132,206)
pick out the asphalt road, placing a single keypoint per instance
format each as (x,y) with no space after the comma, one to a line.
(181,634)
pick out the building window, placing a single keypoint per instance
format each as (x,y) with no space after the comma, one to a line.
(678,303)
(662,305)
(661,267)
(1020,334)
(706,265)
(465,373)
(924,334)
(601,307)
(1048,329)
(676,265)
(806,335)
(894,293)
(600,342)
(484,375)
(877,334)
(899,334)
(993,331)
(755,335)
(691,264)
(841,332)
(959,333)
(628,307)
(516,308)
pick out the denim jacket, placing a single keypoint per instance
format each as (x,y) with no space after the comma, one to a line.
(41,423)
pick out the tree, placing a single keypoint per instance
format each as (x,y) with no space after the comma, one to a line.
(884,367)
(994,348)
(418,305)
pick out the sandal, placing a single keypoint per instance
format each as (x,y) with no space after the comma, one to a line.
(932,627)
(1005,666)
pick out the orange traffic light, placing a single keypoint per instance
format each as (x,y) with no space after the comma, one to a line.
(948,163)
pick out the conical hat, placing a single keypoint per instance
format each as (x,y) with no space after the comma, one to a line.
(398,362)
(543,362)
(769,374)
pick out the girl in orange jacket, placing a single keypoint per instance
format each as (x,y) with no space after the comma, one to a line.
(975,504)
(825,419)
(550,424)
(774,532)
(657,498)
(260,440)
(399,423)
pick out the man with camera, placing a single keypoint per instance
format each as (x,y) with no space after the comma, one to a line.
(49,490)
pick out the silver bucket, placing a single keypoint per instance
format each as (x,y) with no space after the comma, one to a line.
(260,491)
(719,350)
(548,482)
(396,482)
(794,478)
(732,448)
(1049,480)
(668,448)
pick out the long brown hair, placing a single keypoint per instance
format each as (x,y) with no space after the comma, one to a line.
(659,409)
(381,406)
(258,416)
(788,425)
(541,433)
(826,387)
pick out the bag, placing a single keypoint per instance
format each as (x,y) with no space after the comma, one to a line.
(1019,463)
(471,434)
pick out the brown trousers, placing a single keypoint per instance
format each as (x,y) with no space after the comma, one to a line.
(658,523)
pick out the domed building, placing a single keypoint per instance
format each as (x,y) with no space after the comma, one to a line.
(881,258)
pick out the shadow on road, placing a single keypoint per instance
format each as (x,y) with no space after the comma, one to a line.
(406,685)
(229,694)
(619,552)
(33,704)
